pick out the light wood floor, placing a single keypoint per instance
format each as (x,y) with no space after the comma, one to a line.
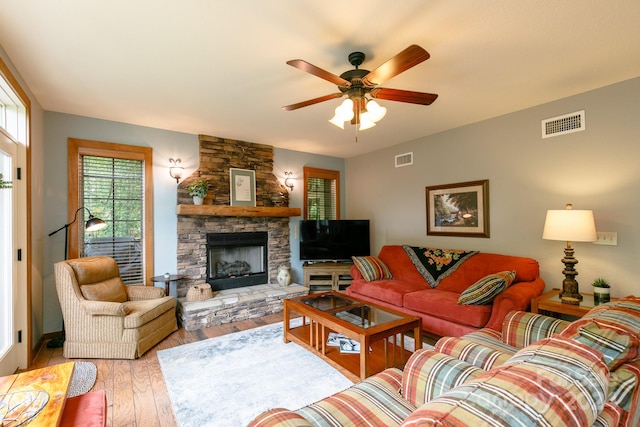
(136,392)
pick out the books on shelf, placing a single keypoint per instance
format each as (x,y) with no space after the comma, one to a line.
(346,345)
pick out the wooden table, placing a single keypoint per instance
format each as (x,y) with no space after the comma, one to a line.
(378,330)
(54,380)
(167,281)
(549,303)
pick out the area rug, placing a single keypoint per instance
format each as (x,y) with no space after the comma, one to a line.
(84,377)
(229,380)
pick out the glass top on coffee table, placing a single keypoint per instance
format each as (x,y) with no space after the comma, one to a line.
(329,301)
(366,316)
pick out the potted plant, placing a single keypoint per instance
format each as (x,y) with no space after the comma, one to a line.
(601,291)
(198,190)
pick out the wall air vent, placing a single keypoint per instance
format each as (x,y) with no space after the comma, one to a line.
(568,123)
(405,159)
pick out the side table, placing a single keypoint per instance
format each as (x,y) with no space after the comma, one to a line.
(549,303)
(167,281)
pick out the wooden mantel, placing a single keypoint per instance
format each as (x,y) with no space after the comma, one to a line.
(223,210)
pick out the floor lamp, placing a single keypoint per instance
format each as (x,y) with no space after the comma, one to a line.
(92,224)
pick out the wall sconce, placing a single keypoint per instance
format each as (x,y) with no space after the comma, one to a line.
(289,181)
(175,170)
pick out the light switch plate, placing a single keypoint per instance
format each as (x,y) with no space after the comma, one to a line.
(609,238)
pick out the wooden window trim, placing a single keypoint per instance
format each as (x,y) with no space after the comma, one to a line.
(310,172)
(82,147)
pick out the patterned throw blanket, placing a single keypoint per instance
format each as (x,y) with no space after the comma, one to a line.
(436,264)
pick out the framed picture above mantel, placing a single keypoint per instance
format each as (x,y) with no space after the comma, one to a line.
(243,187)
(460,209)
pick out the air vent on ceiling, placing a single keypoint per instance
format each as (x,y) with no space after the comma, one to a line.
(405,159)
(568,123)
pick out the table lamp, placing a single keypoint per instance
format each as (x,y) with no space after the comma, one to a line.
(571,226)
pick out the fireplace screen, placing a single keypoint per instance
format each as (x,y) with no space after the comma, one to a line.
(236,259)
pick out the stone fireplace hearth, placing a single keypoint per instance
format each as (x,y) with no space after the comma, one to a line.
(217,156)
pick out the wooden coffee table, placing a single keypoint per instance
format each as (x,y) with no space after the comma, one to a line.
(53,380)
(379,332)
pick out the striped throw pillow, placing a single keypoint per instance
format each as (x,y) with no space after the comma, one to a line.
(486,289)
(372,268)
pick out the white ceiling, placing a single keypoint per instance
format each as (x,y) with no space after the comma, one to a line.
(218,67)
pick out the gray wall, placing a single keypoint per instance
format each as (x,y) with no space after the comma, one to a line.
(595,169)
(165,144)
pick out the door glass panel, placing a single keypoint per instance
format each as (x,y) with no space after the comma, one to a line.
(6,249)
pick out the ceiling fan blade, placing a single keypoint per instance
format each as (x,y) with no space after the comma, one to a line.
(404,96)
(312,101)
(318,72)
(410,57)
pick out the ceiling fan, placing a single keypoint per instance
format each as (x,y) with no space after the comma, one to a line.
(361,85)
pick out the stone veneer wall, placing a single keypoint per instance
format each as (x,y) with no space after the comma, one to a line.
(217,156)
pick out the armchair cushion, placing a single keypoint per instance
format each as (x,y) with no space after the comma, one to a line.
(142,312)
(108,290)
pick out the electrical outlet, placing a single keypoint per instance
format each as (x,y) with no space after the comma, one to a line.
(609,238)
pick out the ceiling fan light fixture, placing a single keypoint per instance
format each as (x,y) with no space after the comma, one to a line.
(337,121)
(365,121)
(345,110)
(375,111)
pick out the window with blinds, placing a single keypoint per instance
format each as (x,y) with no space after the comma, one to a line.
(321,194)
(113,190)
(114,182)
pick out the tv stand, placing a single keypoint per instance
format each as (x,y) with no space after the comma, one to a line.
(327,276)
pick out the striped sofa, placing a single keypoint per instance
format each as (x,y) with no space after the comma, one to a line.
(536,371)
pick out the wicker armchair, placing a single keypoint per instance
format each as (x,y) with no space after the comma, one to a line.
(106,319)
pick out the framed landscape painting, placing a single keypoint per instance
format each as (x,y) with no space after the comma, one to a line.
(460,209)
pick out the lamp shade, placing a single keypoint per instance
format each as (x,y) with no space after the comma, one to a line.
(94,224)
(570,225)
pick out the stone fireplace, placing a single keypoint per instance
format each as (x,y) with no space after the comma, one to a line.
(235,260)
(199,226)
(216,157)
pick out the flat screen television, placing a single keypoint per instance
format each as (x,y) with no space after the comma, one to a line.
(333,240)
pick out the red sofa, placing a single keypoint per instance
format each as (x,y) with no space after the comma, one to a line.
(438,307)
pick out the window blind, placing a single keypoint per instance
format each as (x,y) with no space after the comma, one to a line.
(113,190)
(321,198)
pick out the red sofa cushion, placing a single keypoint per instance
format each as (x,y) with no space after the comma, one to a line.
(391,291)
(444,305)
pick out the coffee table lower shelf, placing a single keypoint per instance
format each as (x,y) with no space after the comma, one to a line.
(379,358)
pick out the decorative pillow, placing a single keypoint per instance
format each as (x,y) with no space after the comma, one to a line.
(622,385)
(486,289)
(428,374)
(111,290)
(372,268)
(612,328)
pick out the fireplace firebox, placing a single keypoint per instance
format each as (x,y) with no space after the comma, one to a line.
(235,260)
